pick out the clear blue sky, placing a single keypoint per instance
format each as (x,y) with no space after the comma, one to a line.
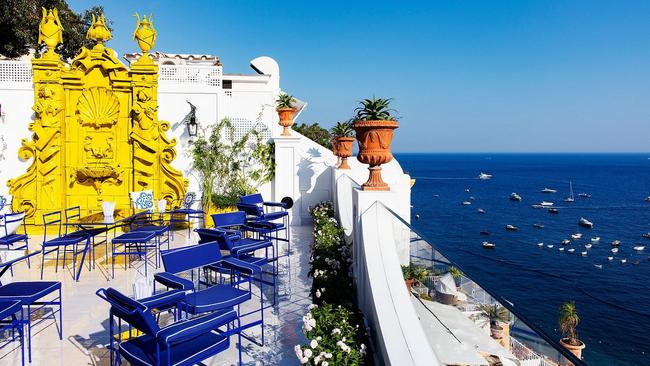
(466,76)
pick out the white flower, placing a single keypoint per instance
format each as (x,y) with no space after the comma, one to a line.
(336,331)
(318,294)
(304,360)
(313,344)
(308,353)
(328,355)
(325,363)
(312,306)
(298,351)
(317,359)
(362,349)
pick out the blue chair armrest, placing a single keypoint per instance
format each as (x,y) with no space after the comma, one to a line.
(172,281)
(188,329)
(164,300)
(275,204)
(240,265)
(248,248)
(253,225)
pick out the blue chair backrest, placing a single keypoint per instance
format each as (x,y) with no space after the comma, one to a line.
(252,199)
(229,219)
(250,209)
(49,220)
(140,219)
(71,214)
(9,219)
(131,311)
(194,256)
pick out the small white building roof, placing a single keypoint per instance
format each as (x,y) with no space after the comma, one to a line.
(183,58)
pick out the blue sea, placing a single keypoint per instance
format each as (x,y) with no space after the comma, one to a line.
(613,301)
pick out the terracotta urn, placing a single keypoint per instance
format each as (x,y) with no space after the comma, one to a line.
(374,139)
(286,119)
(496,330)
(344,150)
(575,349)
(334,142)
(409,284)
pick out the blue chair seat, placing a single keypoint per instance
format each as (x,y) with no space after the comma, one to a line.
(10,239)
(28,292)
(261,225)
(87,232)
(163,300)
(259,261)
(64,240)
(215,298)
(135,237)
(141,351)
(274,215)
(9,308)
(173,281)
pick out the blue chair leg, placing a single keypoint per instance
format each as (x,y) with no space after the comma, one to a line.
(42,261)
(29,333)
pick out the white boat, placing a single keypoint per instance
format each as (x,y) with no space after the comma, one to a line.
(566,242)
(539,226)
(515,197)
(480,210)
(647,199)
(610,258)
(638,248)
(585,223)
(465,203)
(614,250)
(546,204)
(616,243)
(561,249)
(571,250)
(599,266)
(588,246)
(484,176)
(511,228)
(623,261)
(550,246)
(584,195)
(548,190)
(576,236)
(540,244)
(488,245)
(595,240)
(584,253)
(466,189)
(570,198)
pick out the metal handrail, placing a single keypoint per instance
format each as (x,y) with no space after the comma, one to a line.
(503,301)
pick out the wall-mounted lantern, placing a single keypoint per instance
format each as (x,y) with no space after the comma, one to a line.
(190,121)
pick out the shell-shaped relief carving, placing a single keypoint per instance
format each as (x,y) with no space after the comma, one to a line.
(98,107)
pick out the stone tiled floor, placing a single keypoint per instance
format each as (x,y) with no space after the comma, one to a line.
(85,316)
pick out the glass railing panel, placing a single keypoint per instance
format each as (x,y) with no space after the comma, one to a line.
(522,339)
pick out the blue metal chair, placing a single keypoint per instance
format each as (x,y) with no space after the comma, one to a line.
(30,294)
(9,224)
(145,222)
(133,243)
(185,210)
(226,291)
(186,342)
(52,221)
(9,320)
(74,213)
(266,221)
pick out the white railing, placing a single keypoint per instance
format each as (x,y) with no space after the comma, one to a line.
(527,356)
(16,72)
(190,75)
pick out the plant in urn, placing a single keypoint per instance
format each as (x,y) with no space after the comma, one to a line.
(343,140)
(286,110)
(374,127)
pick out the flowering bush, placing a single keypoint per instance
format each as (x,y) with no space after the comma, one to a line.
(333,324)
(336,338)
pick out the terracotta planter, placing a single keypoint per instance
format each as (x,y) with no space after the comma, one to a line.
(286,119)
(344,150)
(576,350)
(335,144)
(496,330)
(409,285)
(374,139)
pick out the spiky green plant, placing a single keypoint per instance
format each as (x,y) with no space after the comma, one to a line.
(569,321)
(495,312)
(455,272)
(374,109)
(285,101)
(414,272)
(342,129)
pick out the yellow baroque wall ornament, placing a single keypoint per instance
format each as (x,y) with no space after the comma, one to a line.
(98,107)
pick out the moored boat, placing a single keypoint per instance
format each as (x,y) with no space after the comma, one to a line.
(571,250)
(584,253)
(588,246)
(570,198)
(623,261)
(614,250)
(584,195)
(638,248)
(595,239)
(511,228)
(488,245)
(585,223)
(610,258)
(561,249)
(646,235)
(539,226)
(515,197)
(540,244)
(616,243)
(553,210)
(481,211)
(484,176)
(550,246)
(546,204)
(548,190)
(566,242)
(466,203)
(576,236)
